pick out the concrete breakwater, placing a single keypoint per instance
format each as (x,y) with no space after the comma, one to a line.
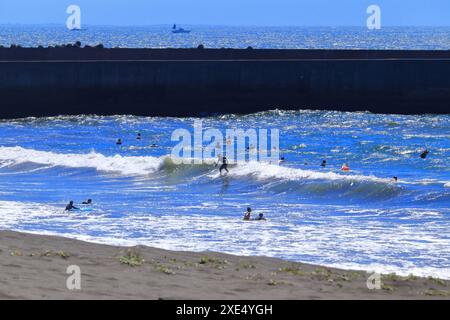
(191,82)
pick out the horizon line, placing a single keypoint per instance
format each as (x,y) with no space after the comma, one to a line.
(220,25)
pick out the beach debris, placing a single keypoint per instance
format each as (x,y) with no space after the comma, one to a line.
(16,253)
(272,282)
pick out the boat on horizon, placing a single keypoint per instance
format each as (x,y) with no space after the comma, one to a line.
(179,30)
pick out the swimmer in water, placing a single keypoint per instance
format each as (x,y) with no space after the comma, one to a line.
(88,201)
(282,159)
(119,142)
(71,207)
(345,167)
(248,214)
(324,163)
(224,165)
(138,137)
(394,179)
(260,217)
(424,154)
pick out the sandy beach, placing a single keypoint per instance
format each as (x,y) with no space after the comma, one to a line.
(35,266)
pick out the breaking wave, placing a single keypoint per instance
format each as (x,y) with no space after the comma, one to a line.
(273,177)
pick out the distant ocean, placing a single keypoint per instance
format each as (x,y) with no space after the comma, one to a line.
(407,38)
(360,219)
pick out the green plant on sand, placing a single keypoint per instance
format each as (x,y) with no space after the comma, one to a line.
(292,270)
(218,263)
(132,258)
(436,293)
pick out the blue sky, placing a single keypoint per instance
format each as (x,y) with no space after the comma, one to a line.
(229,12)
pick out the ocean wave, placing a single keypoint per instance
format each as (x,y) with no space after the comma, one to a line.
(273,177)
(282,179)
(268,171)
(125,165)
(100,162)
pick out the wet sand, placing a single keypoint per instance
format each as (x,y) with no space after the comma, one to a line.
(35,266)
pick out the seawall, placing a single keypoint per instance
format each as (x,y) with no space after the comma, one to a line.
(189,82)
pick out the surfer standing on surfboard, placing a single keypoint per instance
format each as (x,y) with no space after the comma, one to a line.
(224,165)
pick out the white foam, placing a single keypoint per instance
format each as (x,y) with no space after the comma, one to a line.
(14,213)
(265,171)
(144,165)
(441,273)
(375,247)
(117,163)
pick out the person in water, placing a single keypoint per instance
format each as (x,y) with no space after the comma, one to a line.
(394,179)
(424,154)
(119,142)
(88,201)
(324,163)
(282,159)
(260,217)
(248,214)
(224,165)
(71,207)
(138,137)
